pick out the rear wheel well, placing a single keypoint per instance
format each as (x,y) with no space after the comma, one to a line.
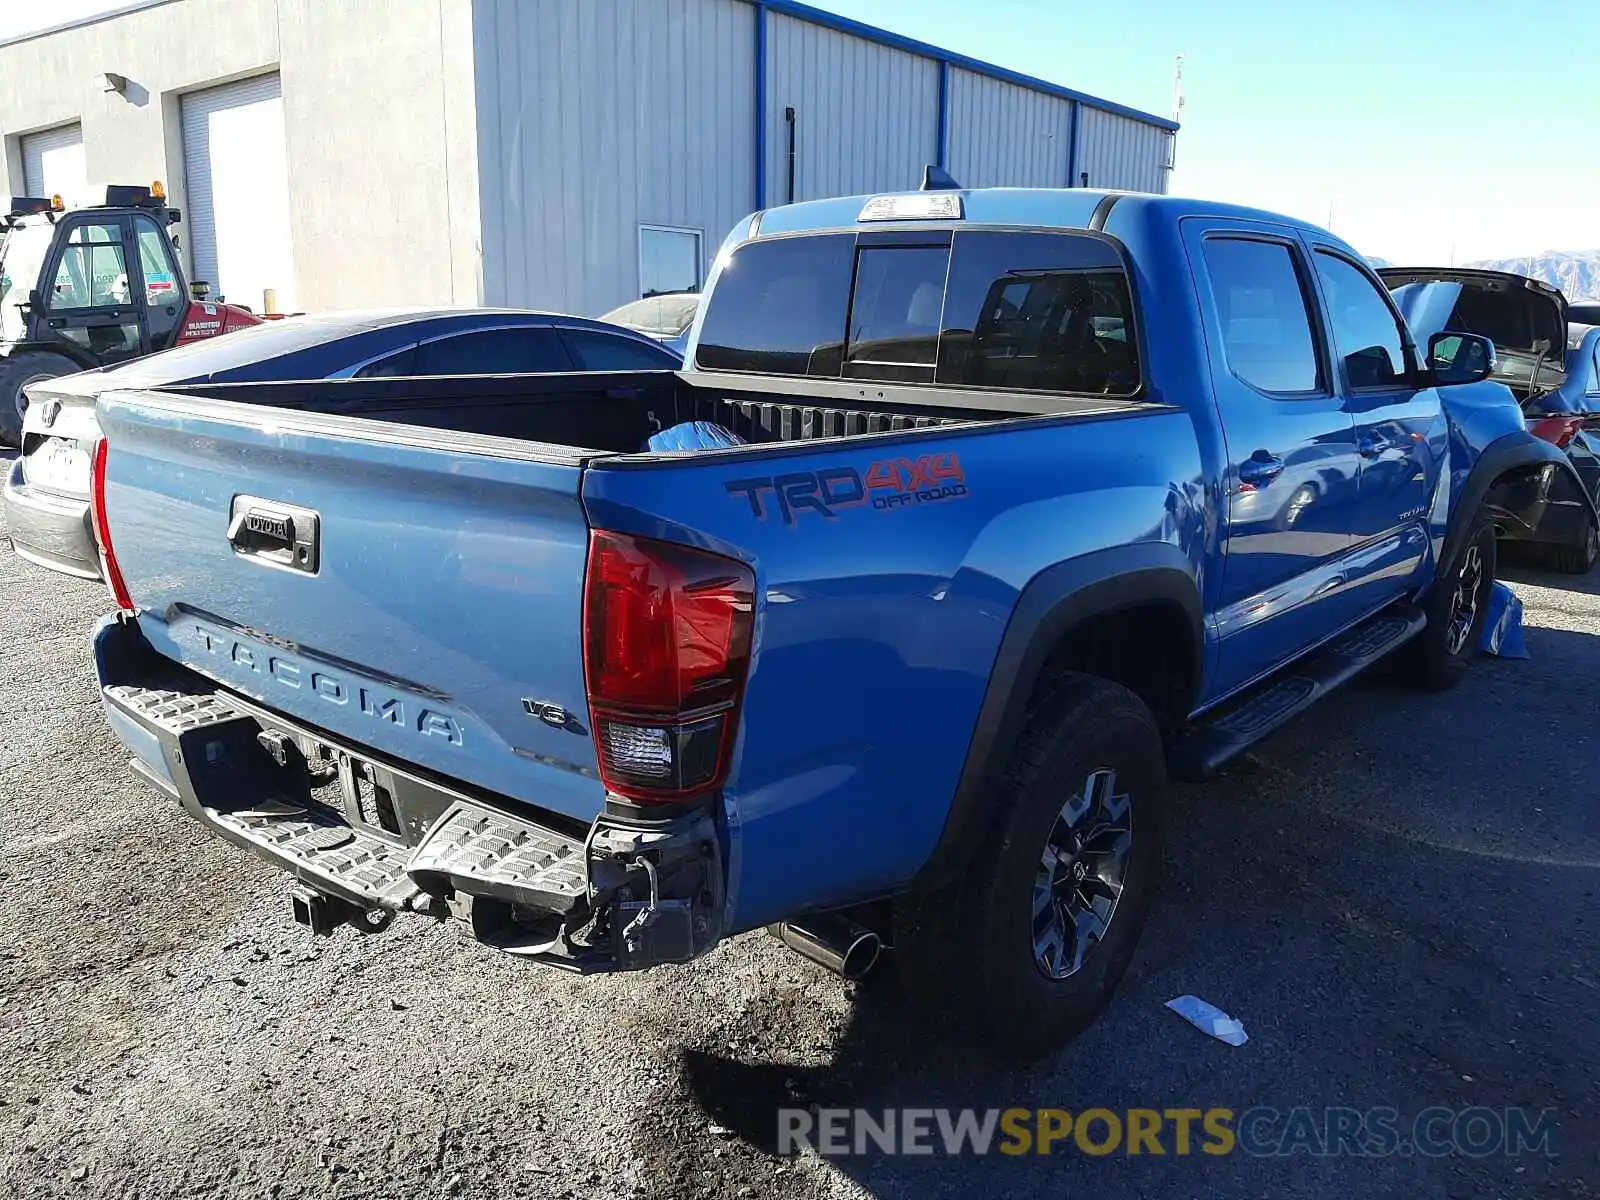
(1148,648)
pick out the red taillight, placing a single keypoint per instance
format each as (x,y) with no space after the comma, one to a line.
(1559,431)
(666,647)
(102,531)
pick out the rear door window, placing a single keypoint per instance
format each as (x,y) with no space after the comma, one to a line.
(1041,312)
(595,350)
(779,308)
(391,366)
(532,349)
(1264,315)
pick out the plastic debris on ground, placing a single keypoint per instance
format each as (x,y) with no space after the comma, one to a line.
(1208,1018)
(693,435)
(1502,626)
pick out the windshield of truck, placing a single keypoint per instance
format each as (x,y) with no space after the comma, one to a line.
(1040,312)
(22,252)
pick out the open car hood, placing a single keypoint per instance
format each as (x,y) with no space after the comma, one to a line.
(1585,312)
(1514,311)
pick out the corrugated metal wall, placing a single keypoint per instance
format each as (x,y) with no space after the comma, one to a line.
(1119,152)
(598,116)
(867,116)
(595,116)
(1002,135)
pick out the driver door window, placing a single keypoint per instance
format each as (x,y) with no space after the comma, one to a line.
(1365,330)
(92,272)
(1396,423)
(90,302)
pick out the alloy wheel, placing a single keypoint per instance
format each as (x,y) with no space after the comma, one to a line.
(1081,874)
(1464,600)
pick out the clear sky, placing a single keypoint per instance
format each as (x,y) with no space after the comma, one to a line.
(1430,129)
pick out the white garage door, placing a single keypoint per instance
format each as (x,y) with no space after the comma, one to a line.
(236,182)
(52,164)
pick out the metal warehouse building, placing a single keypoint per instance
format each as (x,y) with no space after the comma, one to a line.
(563,154)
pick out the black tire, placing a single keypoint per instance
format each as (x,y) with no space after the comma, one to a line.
(1575,560)
(17,371)
(973,947)
(1438,657)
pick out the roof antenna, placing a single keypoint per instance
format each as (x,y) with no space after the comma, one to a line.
(937,179)
(1177,115)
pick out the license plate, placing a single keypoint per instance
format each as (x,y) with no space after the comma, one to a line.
(58,465)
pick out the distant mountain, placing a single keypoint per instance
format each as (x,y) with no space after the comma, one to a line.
(1575,272)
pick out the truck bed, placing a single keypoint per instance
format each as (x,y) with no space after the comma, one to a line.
(617,413)
(399,577)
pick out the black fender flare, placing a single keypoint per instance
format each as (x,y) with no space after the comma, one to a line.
(1507,453)
(1053,602)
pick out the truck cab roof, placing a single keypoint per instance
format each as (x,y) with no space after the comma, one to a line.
(1048,208)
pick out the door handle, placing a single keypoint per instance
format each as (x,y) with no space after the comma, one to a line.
(1260,467)
(1370,446)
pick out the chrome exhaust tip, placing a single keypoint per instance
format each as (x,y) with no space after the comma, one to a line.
(831,941)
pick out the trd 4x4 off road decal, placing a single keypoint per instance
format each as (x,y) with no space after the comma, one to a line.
(888,483)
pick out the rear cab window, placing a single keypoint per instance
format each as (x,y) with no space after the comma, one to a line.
(977,308)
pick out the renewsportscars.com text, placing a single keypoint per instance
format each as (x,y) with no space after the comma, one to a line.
(1261,1132)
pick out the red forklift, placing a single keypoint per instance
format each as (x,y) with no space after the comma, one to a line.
(91,287)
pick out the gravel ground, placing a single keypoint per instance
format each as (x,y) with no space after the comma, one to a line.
(1396,895)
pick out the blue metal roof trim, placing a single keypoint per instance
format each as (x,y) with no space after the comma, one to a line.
(818,16)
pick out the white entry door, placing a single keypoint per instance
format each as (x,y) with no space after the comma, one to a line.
(236,179)
(53,165)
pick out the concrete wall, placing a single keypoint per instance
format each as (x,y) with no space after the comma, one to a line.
(596,116)
(379,125)
(381,132)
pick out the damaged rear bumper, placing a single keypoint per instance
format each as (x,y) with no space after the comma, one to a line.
(367,838)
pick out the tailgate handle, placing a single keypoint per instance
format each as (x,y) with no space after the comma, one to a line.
(275,534)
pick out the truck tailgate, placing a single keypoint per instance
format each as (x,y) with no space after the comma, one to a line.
(415,592)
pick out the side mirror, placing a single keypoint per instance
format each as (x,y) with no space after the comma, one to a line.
(1460,358)
(34,299)
(199,289)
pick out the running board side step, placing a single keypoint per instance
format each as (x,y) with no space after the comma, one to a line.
(1267,707)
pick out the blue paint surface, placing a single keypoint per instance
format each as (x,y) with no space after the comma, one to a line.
(451,582)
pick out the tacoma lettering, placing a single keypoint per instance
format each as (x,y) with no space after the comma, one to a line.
(378,705)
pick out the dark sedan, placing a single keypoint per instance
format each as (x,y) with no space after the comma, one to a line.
(46,493)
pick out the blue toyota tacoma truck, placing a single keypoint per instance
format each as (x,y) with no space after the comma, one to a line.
(1021,500)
